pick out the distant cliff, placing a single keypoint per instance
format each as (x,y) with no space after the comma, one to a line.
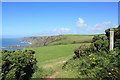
(29,39)
(40,41)
(57,40)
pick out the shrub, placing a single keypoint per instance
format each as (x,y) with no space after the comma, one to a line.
(116,36)
(100,63)
(116,32)
(81,50)
(117,43)
(99,42)
(101,66)
(18,64)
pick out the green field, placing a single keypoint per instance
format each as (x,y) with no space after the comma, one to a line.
(47,54)
(52,57)
(73,39)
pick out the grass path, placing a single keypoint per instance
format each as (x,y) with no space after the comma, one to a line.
(57,66)
(53,75)
(52,54)
(52,58)
(52,65)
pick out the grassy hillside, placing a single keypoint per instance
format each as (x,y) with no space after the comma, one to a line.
(57,40)
(46,54)
(72,39)
(52,58)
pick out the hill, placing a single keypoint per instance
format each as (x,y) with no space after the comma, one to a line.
(46,53)
(52,58)
(72,39)
(53,51)
(57,40)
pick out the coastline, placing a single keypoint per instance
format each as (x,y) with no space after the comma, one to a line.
(21,45)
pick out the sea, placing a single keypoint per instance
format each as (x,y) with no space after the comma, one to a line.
(7,42)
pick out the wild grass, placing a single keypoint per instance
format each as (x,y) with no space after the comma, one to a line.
(47,54)
(52,58)
(72,39)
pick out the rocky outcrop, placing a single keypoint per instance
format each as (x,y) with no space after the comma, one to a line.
(41,41)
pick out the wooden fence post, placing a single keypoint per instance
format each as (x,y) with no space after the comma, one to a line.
(111,39)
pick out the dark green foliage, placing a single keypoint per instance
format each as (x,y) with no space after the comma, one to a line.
(81,50)
(117,43)
(112,69)
(100,63)
(99,42)
(107,32)
(116,36)
(117,33)
(18,64)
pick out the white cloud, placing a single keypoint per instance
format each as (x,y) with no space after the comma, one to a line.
(56,31)
(80,20)
(116,26)
(101,27)
(80,24)
(97,28)
(61,30)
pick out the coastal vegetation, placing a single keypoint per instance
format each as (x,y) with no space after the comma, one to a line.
(18,64)
(96,61)
(65,56)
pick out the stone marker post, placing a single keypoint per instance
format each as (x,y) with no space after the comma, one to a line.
(111,39)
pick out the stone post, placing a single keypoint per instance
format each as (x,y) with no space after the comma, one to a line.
(111,39)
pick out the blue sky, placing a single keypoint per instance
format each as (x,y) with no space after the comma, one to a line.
(53,18)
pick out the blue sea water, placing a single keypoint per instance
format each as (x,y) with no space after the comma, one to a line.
(7,42)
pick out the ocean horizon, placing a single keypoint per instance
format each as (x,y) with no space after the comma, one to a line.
(7,42)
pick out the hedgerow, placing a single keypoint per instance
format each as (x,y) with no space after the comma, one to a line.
(18,64)
(98,62)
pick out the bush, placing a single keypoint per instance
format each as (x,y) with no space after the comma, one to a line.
(117,43)
(18,64)
(116,32)
(99,43)
(98,65)
(98,62)
(101,66)
(81,50)
(116,36)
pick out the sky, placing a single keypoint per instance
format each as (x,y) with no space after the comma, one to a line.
(21,19)
(60,0)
